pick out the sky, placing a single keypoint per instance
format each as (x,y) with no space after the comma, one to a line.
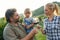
(20,5)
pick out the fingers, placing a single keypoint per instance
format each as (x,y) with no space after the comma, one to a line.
(38,26)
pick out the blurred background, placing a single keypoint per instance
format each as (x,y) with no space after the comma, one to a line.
(37,9)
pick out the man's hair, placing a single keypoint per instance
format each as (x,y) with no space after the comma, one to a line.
(9,13)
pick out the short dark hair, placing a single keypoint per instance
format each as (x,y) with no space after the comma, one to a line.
(9,13)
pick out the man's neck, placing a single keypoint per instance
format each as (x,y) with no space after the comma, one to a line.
(16,24)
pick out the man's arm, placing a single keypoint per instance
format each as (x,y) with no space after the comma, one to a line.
(30,35)
(43,31)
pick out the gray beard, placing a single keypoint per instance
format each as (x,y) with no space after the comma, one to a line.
(16,21)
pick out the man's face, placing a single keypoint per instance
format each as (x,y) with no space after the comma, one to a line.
(15,17)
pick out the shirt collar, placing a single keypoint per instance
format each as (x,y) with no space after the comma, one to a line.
(54,17)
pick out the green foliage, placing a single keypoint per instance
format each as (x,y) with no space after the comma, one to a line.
(41,19)
(57,3)
(40,36)
(21,20)
(2,25)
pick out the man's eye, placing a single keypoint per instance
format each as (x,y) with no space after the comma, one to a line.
(46,10)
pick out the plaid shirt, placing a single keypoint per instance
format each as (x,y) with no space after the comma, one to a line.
(52,28)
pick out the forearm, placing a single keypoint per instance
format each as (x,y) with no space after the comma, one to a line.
(29,36)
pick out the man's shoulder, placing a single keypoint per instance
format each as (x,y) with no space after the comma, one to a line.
(7,27)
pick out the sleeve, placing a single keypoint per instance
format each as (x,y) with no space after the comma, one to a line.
(32,20)
(8,34)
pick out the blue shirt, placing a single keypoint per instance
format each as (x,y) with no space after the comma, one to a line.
(52,28)
(28,21)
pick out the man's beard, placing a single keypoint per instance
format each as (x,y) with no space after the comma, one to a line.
(16,21)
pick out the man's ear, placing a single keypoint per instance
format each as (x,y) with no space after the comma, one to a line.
(11,19)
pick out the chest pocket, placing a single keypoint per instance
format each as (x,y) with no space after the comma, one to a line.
(19,32)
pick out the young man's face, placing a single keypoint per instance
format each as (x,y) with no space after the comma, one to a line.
(15,17)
